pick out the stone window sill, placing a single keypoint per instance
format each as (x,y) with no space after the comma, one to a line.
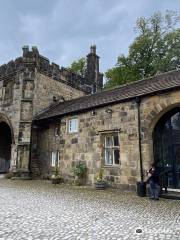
(111,166)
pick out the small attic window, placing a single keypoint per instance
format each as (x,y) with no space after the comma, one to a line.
(73,125)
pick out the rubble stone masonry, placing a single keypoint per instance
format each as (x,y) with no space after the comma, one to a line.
(87,145)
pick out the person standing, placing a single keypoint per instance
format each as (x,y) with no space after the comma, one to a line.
(153,181)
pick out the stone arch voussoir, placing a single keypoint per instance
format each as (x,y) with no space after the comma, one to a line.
(159,110)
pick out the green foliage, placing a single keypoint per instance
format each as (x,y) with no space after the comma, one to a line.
(78,66)
(56,174)
(80,170)
(100,175)
(17,173)
(56,171)
(156,49)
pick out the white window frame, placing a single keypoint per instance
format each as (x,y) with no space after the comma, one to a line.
(111,148)
(55,157)
(73,125)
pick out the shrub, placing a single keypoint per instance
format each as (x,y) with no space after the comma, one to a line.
(9,175)
(80,170)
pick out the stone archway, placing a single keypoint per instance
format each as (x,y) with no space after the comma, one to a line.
(149,120)
(166,145)
(5,147)
(154,116)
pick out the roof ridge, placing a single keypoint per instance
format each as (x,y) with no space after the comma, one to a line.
(141,80)
(161,82)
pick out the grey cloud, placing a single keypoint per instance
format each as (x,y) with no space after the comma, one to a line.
(64,29)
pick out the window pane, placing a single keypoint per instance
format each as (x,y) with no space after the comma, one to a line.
(116,140)
(108,141)
(73,125)
(116,156)
(69,126)
(57,158)
(108,156)
(53,159)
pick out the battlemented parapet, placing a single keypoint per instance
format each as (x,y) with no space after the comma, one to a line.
(43,65)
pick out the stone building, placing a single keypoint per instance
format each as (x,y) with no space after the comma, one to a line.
(29,85)
(122,130)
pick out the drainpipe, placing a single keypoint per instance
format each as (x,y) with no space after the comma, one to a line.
(30,148)
(141,186)
(138,101)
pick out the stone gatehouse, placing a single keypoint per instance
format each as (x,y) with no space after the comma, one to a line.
(122,130)
(29,85)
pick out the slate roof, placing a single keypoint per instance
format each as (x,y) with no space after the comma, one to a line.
(153,85)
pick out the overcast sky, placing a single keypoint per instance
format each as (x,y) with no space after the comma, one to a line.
(63,30)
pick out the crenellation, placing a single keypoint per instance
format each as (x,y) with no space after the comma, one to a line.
(31,59)
(11,67)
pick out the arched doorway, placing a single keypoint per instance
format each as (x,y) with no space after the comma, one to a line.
(166,141)
(5,147)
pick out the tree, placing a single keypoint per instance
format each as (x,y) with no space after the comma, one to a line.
(78,66)
(156,49)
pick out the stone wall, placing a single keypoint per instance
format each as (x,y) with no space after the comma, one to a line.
(47,88)
(10,102)
(86,145)
(25,91)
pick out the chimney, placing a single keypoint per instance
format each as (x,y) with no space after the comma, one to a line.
(93,49)
(93,77)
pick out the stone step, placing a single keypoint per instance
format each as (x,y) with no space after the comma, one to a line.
(2,175)
(34,167)
(35,164)
(35,172)
(171,195)
(172,189)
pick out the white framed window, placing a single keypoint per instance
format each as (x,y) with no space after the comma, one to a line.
(55,157)
(111,149)
(73,125)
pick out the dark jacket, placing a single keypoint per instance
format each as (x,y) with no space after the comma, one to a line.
(154,175)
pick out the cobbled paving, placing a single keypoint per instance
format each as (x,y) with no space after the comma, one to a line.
(39,210)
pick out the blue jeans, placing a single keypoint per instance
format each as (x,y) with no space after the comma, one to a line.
(154,189)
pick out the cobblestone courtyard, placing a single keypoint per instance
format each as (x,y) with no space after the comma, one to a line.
(39,210)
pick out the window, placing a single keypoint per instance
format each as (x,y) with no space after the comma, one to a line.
(55,158)
(8,91)
(56,130)
(73,125)
(111,149)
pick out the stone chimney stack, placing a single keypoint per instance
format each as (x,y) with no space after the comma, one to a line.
(93,77)
(93,49)
(25,50)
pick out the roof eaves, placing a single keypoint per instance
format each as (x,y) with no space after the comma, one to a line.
(106,104)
